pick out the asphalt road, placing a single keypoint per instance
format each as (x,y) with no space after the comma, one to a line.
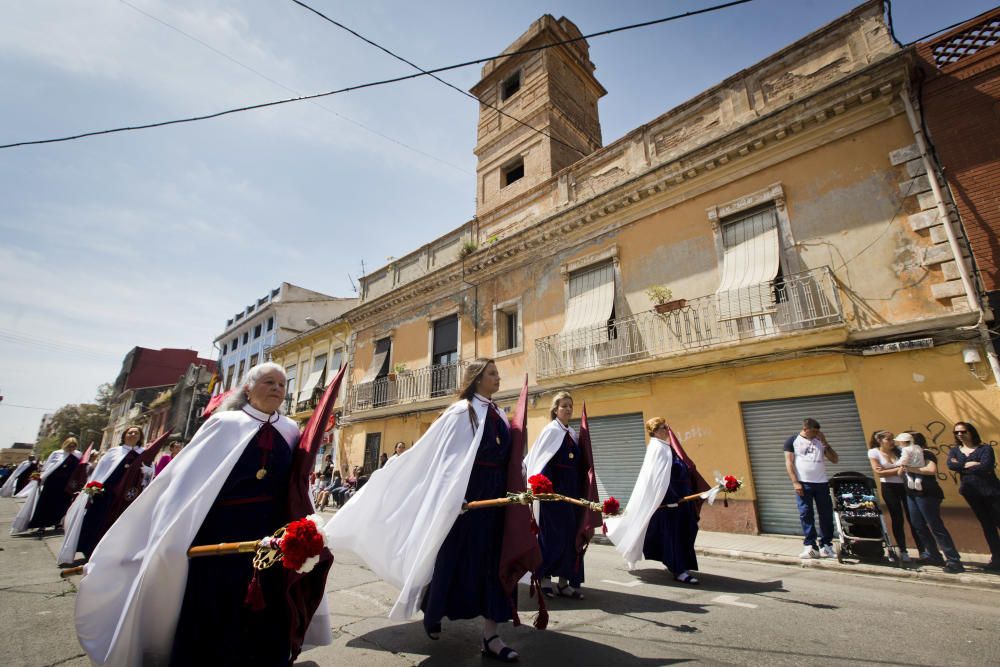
(744,613)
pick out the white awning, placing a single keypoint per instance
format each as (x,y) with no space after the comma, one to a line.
(311,383)
(751,262)
(591,301)
(375,367)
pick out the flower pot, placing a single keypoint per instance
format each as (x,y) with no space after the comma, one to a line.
(669,306)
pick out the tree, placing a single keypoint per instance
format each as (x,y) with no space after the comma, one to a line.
(85,421)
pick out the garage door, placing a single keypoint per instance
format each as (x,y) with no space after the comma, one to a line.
(619,444)
(768,424)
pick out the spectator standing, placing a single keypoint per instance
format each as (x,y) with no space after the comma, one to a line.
(805,461)
(975,463)
(161,463)
(383,459)
(399,449)
(925,510)
(884,456)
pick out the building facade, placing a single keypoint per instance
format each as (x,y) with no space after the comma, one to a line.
(749,258)
(282,313)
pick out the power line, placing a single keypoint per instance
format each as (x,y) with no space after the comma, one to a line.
(371,84)
(437,78)
(946,28)
(27,407)
(291,90)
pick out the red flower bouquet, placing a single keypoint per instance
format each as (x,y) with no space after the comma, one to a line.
(302,544)
(731,483)
(540,484)
(93,488)
(611,506)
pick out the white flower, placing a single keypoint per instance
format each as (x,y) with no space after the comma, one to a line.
(308,564)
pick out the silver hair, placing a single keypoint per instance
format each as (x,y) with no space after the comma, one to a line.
(240,397)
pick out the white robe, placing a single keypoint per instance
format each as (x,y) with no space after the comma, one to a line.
(73,522)
(546,446)
(628,531)
(130,597)
(7,490)
(400,518)
(23,517)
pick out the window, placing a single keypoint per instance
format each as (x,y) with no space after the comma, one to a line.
(229,376)
(232,346)
(289,384)
(246,337)
(224,348)
(507,326)
(253,359)
(510,85)
(380,360)
(261,301)
(750,263)
(257,331)
(274,292)
(444,355)
(319,363)
(239,375)
(270,323)
(338,359)
(590,308)
(251,308)
(512,172)
(373,445)
(314,379)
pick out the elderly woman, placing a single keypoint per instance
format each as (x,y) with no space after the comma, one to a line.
(90,517)
(656,524)
(451,566)
(142,601)
(48,501)
(557,454)
(976,464)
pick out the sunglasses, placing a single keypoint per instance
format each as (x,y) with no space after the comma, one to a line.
(960,432)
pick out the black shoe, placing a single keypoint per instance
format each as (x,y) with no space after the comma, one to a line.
(930,561)
(992,567)
(953,568)
(506,654)
(433,631)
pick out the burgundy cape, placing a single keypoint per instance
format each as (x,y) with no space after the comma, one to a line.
(589,520)
(78,478)
(698,483)
(130,484)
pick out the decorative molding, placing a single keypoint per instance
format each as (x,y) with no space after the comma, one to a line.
(589,260)
(774,192)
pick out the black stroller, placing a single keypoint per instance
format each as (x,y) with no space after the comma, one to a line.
(858,518)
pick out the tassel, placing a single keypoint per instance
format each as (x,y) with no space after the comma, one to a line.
(534,527)
(515,619)
(725,500)
(542,619)
(604,527)
(255,596)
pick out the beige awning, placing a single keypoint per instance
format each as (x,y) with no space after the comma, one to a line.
(375,366)
(311,383)
(751,262)
(591,301)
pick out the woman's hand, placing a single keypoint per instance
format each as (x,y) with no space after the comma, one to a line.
(970,464)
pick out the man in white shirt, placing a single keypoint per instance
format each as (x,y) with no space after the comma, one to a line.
(805,461)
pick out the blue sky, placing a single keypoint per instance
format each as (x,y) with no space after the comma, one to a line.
(155,238)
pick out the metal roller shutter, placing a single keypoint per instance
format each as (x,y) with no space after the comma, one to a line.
(619,443)
(768,423)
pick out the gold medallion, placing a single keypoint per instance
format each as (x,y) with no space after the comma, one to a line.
(261,473)
(571,455)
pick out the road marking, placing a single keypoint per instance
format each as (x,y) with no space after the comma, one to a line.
(628,584)
(732,600)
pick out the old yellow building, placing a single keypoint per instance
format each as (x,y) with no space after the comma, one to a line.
(784,217)
(311,360)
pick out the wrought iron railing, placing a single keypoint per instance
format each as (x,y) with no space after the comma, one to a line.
(409,386)
(791,303)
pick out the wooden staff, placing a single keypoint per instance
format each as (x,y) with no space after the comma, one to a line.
(524,499)
(223,549)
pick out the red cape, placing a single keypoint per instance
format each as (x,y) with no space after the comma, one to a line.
(698,483)
(589,520)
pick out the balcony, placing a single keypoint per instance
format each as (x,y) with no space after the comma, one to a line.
(410,386)
(808,300)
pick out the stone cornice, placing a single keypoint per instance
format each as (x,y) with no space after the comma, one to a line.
(866,93)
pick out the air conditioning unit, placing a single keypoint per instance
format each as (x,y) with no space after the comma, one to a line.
(898,346)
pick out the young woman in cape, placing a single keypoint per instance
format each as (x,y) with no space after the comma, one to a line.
(655,525)
(49,499)
(19,478)
(142,601)
(562,535)
(451,566)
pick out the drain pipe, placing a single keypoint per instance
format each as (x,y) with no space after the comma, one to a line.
(971,294)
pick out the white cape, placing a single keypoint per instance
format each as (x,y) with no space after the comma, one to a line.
(400,518)
(546,446)
(23,517)
(628,531)
(130,597)
(7,490)
(78,509)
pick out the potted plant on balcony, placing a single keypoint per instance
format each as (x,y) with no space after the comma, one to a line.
(662,303)
(398,369)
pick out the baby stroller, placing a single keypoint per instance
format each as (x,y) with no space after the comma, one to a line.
(859,519)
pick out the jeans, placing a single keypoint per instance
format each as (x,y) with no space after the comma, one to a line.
(925,517)
(818,492)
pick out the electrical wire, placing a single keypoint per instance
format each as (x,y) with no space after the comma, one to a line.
(947,28)
(370,84)
(294,91)
(27,407)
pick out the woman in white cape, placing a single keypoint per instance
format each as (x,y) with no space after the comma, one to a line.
(443,561)
(556,454)
(655,525)
(48,500)
(19,479)
(143,602)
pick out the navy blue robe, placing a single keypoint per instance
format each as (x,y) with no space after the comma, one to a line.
(560,522)
(24,478)
(53,500)
(215,626)
(672,530)
(466,580)
(96,521)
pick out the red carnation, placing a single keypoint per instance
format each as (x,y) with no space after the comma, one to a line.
(540,484)
(611,506)
(301,541)
(732,484)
